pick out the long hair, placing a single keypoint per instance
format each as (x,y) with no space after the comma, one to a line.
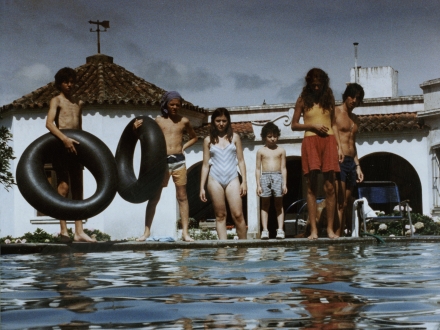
(325,99)
(213,132)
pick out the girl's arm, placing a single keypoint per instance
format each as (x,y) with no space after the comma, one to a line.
(205,169)
(241,164)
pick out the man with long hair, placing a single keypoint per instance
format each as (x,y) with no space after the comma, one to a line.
(319,150)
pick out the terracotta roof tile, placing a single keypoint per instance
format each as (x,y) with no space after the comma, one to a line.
(391,122)
(368,123)
(244,129)
(100,81)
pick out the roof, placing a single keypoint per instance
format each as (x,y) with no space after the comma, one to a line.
(100,81)
(396,122)
(243,129)
(391,122)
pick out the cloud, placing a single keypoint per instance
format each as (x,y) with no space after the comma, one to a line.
(36,73)
(249,81)
(170,76)
(291,92)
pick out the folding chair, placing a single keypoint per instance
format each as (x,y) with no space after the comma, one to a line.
(299,214)
(382,193)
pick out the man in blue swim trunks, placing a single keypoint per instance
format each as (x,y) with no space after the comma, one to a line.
(351,173)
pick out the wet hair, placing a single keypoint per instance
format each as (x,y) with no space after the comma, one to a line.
(64,75)
(270,128)
(213,132)
(354,90)
(325,99)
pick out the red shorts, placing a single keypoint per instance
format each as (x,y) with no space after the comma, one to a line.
(319,153)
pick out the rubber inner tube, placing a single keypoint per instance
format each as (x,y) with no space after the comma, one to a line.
(153,161)
(36,189)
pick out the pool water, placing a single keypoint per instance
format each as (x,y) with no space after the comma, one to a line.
(327,287)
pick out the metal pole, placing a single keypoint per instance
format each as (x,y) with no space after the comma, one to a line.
(355,61)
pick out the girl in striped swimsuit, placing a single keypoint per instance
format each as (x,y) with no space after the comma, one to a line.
(222,152)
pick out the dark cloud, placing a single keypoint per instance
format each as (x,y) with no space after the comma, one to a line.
(249,81)
(291,92)
(168,75)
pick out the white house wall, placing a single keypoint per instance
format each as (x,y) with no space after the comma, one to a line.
(121,219)
(411,146)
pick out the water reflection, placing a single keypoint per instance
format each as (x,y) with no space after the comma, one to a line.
(239,288)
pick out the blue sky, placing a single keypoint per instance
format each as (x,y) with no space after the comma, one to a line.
(221,53)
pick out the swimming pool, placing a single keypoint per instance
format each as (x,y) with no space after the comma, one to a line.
(359,286)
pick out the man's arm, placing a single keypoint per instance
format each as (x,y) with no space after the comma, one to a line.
(50,125)
(192,135)
(336,133)
(284,170)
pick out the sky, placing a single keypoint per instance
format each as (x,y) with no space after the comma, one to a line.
(221,52)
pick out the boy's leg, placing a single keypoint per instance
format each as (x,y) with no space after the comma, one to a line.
(235,205)
(217,194)
(330,202)
(76,183)
(149,215)
(182,199)
(265,204)
(63,190)
(312,185)
(280,211)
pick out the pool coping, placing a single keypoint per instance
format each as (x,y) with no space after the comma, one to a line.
(55,248)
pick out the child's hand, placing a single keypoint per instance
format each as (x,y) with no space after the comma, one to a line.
(243,189)
(259,191)
(137,123)
(203,195)
(284,189)
(70,145)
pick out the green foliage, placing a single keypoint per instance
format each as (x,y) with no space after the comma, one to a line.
(6,155)
(40,236)
(423,225)
(202,235)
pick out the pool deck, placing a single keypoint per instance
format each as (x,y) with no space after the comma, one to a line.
(52,248)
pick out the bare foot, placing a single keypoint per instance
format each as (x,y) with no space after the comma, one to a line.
(83,237)
(142,238)
(313,236)
(187,238)
(331,234)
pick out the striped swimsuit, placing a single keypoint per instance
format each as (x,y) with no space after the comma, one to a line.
(223,164)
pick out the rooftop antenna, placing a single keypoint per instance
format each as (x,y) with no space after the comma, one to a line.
(105,25)
(355,61)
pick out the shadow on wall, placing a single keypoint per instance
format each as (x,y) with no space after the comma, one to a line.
(384,166)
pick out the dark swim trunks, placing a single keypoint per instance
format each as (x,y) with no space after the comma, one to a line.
(348,172)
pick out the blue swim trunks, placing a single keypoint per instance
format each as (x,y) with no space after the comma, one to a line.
(348,172)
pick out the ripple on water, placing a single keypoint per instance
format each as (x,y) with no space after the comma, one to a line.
(274,287)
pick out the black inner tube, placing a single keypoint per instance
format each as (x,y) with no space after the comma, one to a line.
(153,161)
(92,153)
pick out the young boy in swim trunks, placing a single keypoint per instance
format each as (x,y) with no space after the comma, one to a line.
(173,125)
(319,150)
(65,113)
(271,175)
(351,173)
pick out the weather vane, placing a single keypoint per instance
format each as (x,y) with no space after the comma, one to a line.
(105,25)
